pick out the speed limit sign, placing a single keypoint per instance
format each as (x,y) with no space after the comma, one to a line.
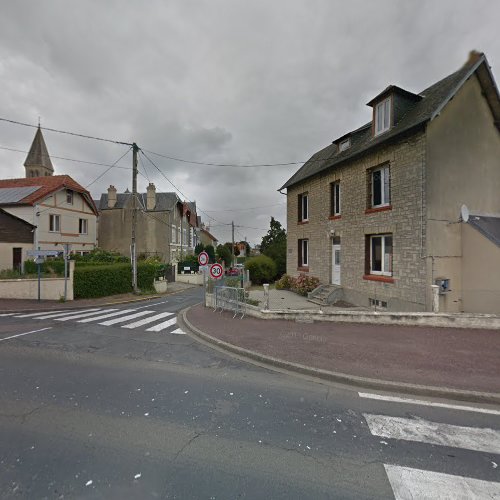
(203,258)
(216,271)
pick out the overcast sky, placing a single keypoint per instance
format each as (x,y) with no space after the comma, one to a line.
(219,81)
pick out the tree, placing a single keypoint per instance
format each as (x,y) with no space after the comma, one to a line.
(198,248)
(274,246)
(224,253)
(211,252)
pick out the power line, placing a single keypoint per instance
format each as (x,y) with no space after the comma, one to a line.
(66,132)
(245,209)
(65,158)
(110,167)
(175,187)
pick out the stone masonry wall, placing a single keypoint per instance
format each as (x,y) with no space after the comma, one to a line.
(405,221)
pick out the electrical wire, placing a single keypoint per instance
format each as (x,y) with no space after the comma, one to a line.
(66,132)
(245,209)
(65,158)
(110,167)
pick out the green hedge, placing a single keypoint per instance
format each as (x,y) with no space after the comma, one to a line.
(262,269)
(51,266)
(101,281)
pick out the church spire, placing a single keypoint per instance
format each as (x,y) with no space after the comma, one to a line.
(38,162)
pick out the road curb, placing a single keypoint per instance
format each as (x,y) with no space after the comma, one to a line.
(343,378)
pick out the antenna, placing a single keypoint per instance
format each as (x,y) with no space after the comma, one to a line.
(464,213)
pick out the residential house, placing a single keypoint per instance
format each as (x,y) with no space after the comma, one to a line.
(380,214)
(206,237)
(166,226)
(59,209)
(16,239)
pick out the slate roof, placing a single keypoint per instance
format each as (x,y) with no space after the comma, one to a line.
(432,101)
(164,201)
(38,155)
(45,187)
(488,226)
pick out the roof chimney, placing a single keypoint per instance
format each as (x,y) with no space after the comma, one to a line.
(474,56)
(111,196)
(151,197)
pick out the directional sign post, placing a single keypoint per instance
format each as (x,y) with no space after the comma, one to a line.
(203,258)
(216,271)
(39,258)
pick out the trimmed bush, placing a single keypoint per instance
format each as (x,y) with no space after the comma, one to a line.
(50,266)
(285,282)
(262,269)
(112,279)
(304,284)
(100,281)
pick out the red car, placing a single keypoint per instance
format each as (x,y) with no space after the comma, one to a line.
(232,272)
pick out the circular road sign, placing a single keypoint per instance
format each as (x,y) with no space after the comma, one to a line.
(216,271)
(203,258)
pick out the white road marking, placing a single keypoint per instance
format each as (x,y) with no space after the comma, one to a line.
(26,333)
(60,315)
(179,332)
(152,305)
(104,316)
(162,326)
(424,431)
(145,321)
(125,318)
(82,315)
(408,484)
(395,399)
(40,313)
(7,314)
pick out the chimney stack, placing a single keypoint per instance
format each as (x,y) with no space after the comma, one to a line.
(151,197)
(111,196)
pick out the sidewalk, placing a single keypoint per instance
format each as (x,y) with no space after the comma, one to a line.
(449,359)
(14,305)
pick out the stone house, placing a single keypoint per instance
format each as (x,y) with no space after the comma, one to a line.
(382,213)
(167,227)
(206,237)
(60,210)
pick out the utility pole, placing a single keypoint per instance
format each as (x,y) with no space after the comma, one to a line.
(133,248)
(232,248)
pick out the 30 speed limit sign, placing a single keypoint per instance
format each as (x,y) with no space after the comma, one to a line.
(203,258)
(216,271)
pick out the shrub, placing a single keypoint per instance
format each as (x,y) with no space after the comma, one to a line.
(100,281)
(262,269)
(285,282)
(50,266)
(304,284)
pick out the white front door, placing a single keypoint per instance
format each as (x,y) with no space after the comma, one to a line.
(336,264)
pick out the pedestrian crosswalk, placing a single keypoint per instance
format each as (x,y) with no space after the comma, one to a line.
(413,483)
(148,320)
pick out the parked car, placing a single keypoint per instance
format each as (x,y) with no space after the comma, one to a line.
(233,271)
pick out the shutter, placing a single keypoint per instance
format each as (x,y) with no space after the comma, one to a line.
(367,254)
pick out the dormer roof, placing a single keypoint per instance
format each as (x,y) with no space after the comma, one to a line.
(394,90)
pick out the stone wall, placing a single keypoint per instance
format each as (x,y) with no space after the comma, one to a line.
(405,220)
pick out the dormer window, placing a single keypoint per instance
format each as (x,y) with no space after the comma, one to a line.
(382,116)
(345,144)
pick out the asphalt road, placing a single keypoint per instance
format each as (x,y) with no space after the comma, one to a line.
(128,410)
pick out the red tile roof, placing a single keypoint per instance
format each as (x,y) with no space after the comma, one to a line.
(48,185)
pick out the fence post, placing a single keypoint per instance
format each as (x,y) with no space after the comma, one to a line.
(266,296)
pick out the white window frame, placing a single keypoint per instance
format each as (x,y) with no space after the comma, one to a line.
(382,117)
(385,186)
(336,198)
(174,234)
(69,196)
(344,145)
(304,207)
(386,266)
(83,226)
(304,251)
(54,223)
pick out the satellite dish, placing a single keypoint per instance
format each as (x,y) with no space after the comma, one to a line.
(464,212)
